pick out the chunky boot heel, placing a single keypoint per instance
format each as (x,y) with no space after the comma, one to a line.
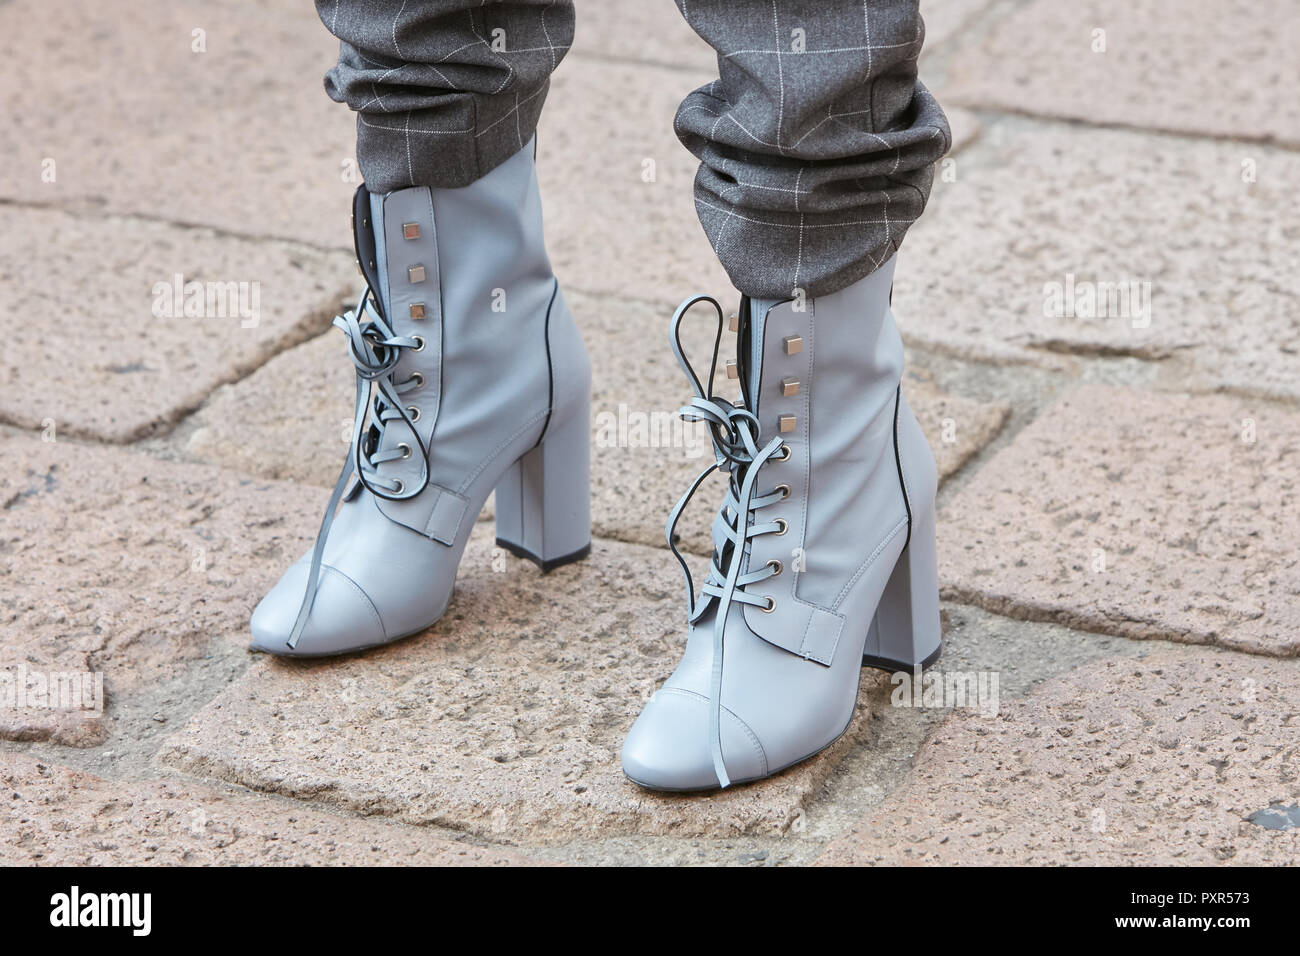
(905,633)
(543,503)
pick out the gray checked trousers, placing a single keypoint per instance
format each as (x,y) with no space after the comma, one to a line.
(816,143)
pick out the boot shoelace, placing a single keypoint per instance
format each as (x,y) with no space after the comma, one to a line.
(734,430)
(375,350)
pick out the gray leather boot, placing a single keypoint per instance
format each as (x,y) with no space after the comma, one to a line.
(824,550)
(471,375)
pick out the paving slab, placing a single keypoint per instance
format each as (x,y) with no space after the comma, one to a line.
(240,135)
(1152,762)
(1211,68)
(292,419)
(628,31)
(56,816)
(122,349)
(1140,514)
(617,185)
(506,719)
(113,563)
(1056,241)
(946,20)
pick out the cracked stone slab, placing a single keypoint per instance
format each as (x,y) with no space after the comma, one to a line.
(292,419)
(506,719)
(1206,67)
(123,349)
(1140,514)
(55,816)
(113,562)
(1188,264)
(240,134)
(1154,762)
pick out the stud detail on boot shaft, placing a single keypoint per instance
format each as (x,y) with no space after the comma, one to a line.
(793,344)
(789,386)
(415,274)
(785,423)
(410,230)
(417,310)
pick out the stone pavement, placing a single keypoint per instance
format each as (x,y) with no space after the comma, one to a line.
(1103,322)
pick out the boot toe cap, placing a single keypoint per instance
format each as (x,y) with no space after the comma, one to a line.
(342,619)
(668,747)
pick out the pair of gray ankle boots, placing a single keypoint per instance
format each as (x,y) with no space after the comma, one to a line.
(472,377)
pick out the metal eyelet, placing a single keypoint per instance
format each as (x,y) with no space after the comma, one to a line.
(776,566)
(418,379)
(785,453)
(419,343)
(784,527)
(405,450)
(785,491)
(414,412)
(771,606)
(401,486)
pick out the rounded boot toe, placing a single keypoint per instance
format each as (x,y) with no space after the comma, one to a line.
(668,746)
(342,619)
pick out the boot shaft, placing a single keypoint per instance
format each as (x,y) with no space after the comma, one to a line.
(824,375)
(466,270)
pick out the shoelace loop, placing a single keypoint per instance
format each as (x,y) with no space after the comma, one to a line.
(735,433)
(375,350)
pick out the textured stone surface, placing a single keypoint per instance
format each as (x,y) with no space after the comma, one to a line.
(627,31)
(506,719)
(1139,514)
(1042,202)
(944,21)
(241,136)
(96,358)
(55,816)
(616,185)
(656,33)
(116,563)
(1152,762)
(1207,67)
(291,419)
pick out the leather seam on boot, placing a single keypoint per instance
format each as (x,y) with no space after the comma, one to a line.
(753,737)
(492,455)
(871,559)
(898,461)
(550,364)
(364,596)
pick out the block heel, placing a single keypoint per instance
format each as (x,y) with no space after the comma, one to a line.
(905,633)
(543,502)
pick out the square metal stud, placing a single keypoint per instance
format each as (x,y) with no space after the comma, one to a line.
(733,322)
(785,423)
(410,230)
(415,273)
(793,344)
(789,386)
(417,310)
(733,371)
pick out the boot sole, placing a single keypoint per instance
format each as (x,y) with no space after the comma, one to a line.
(885,664)
(541,562)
